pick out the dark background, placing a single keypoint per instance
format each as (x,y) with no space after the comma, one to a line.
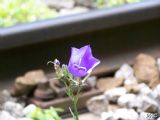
(112,46)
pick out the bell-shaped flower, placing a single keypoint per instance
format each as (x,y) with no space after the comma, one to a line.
(81,61)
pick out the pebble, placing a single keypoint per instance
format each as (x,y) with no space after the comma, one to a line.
(136,104)
(4,115)
(5,96)
(28,109)
(146,70)
(112,95)
(91,81)
(148,104)
(131,80)
(24,85)
(144,89)
(97,104)
(107,116)
(156,92)
(125,72)
(126,99)
(13,108)
(126,114)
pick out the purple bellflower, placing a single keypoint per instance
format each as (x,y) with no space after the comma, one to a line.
(81,61)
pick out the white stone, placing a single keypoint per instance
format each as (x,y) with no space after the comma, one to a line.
(97,104)
(8,106)
(126,99)
(148,104)
(144,89)
(156,95)
(126,114)
(30,108)
(113,94)
(125,71)
(136,104)
(4,115)
(13,108)
(131,80)
(144,103)
(107,116)
(156,92)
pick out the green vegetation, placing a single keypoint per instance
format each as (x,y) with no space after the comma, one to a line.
(112,3)
(14,12)
(20,11)
(45,114)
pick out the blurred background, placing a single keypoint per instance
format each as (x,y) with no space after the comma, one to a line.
(33,32)
(13,12)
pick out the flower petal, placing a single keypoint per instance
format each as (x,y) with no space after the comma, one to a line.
(82,62)
(75,71)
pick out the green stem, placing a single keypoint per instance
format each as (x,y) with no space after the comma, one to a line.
(75,101)
(75,109)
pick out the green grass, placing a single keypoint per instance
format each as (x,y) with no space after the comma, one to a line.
(20,11)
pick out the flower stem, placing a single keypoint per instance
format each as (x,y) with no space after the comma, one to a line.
(75,101)
(75,110)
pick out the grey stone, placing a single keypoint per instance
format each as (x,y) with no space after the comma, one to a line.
(148,104)
(91,81)
(126,99)
(97,104)
(144,103)
(15,109)
(145,89)
(156,96)
(156,93)
(125,72)
(113,94)
(141,88)
(24,85)
(5,96)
